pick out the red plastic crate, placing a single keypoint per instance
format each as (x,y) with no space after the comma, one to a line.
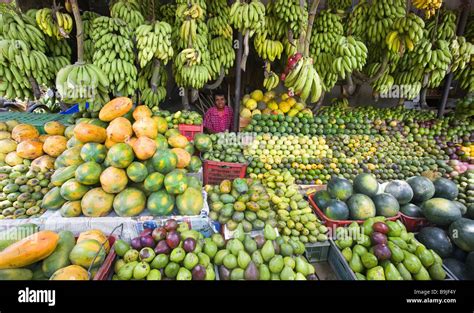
(189,131)
(414,224)
(106,268)
(332,224)
(216,172)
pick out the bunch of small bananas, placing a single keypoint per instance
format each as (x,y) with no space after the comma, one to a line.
(114,54)
(190,70)
(303,80)
(219,26)
(439,63)
(128,11)
(166,13)
(323,65)
(152,84)
(446,29)
(56,48)
(419,57)
(327,30)
(358,18)
(275,28)
(81,83)
(382,84)
(339,4)
(58,24)
(429,6)
(382,15)
(154,41)
(87,22)
(408,31)
(271,80)
(349,55)
(248,17)
(221,49)
(290,47)
(291,12)
(465,78)
(57,63)
(20,27)
(145,75)
(18,64)
(266,48)
(463,53)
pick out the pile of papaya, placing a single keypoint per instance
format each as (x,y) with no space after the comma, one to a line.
(27,253)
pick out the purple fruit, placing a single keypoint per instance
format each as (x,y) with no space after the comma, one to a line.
(189,245)
(147,254)
(171,225)
(378,238)
(251,272)
(260,240)
(146,232)
(147,241)
(159,234)
(224,273)
(312,277)
(172,239)
(162,248)
(199,272)
(136,243)
(382,252)
(276,247)
(380,227)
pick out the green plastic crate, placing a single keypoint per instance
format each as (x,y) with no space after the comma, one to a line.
(36,119)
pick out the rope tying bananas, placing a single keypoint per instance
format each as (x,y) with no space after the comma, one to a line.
(54,23)
(429,6)
(129,12)
(114,54)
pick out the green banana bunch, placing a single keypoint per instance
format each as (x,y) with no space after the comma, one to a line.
(145,74)
(358,18)
(128,11)
(349,55)
(114,54)
(219,26)
(218,8)
(290,47)
(154,41)
(407,33)
(420,56)
(221,49)
(303,80)
(339,4)
(58,48)
(152,98)
(54,24)
(446,29)
(271,80)
(21,27)
(291,12)
(275,27)
(193,76)
(410,77)
(201,3)
(31,13)
(248,17)
(266,48)
(58,63)
(382,15)
(469,31)
(327,30)
(166,13)
(465,78)
(323,65)
(462,51)
(382,84)
(87,21)
(81,83)
(441,57)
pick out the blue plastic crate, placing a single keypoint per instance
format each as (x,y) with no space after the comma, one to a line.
(74,109)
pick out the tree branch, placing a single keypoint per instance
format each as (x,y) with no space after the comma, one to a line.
(35,87)
(218,82)
(79,31)
(366,79)
(243,64)
(312,15)
(319,103)
(301,40)
(156,75)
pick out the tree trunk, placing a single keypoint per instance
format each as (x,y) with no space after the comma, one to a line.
(79,31)
(312,15)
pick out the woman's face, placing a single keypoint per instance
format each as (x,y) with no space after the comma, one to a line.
(220,102)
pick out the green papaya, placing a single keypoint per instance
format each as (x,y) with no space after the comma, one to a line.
(411,262)
(437,272)
(369,260)
(391,272)
(376,273)
(355,263)
(397,253)
(60,257)
(425,256)
(422,274)
(399,242)
(360,250)
(406,275)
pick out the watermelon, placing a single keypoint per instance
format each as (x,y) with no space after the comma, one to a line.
(336,210)
(440,211)
(137,172)
(164,161)
(461,207)
(411,210)
(190,202)
(437,239)
(154,182)
(470,263)
(361,207)
(461,233)
(458,268)
(120,155)
(129,202)
(322,198)
(423,188)
(202,142)
(161,142)
(340,188)
(88,173)
(176,182)
(94,152)
(445,188)
(366,184)
(386,205)
(160,203)
(400,190)
(195,164)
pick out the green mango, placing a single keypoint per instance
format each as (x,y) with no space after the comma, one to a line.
(411,262)
(190,261)
(364,240)
(269,232)
(204,259)
(399,242)
(402,270)
(404,235)
(394,230)
(369,260)
(347,253)
(289,262)
(367,226)
(268,251)
(397,253)
(425,256)
(302,267)
(257,258)
(141,270)
(402,226)
(344,243)
(360,250)
(219,257)
(237,274)
(230,261)
(288,274)
(437,272)
(300,276)
(376,273)
(234,246)
(359,276)
(286,249)
(210,273)
(264,272)
(160,261)
(171,270)
(154,274)
(276,264)
(250,245)
(422,274)
(391,272)
(355,263)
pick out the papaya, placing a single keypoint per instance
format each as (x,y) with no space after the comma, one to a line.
(55,145)
(54,128)
(119,130)
(87,252)
(146,127)
(60,257)
(141,111)
(71,272)
(115,108)
(16,274)
(144,148)
(30,149)
(97,235)
(14,234)
(29,250)
(85,132)
(22,132)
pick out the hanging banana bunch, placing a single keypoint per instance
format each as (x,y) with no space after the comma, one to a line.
(166,13)
(114,54)
(358,20)
(291,12)
(221,49)
(407,33)
(323,66)
(384,83)
(152,84)
(446,29)
(462,52)
(341,5)
(382,15)
(129,12)
(438,66)
(219,26)
(154,40)
(429,6)
(303,80)
(327,30)
(87,21)
(266,48)
(21,27)
(271,79)
(248,17)
(54,23)
(349,55)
